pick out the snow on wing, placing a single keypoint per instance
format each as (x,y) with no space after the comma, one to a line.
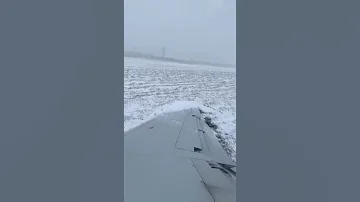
(176,157)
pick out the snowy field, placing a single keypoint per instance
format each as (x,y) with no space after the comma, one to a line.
(155,87)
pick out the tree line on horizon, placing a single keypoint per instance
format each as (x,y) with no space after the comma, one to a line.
(135,54)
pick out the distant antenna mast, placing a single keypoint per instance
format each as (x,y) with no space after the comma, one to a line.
(163,51)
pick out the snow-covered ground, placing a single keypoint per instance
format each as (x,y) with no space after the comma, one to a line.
(155,87)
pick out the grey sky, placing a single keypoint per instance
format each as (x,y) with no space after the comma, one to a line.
(189,29)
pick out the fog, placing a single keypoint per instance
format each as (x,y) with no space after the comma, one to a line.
(202,30)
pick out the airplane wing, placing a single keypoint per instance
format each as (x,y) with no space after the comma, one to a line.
(176,157)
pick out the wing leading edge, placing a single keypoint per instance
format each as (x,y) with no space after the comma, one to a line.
(176,157)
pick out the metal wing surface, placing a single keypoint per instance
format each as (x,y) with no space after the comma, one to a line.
(176,157)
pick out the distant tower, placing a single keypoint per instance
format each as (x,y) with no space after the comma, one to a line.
(163,51)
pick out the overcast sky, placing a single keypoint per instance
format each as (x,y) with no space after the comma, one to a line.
(189,29)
